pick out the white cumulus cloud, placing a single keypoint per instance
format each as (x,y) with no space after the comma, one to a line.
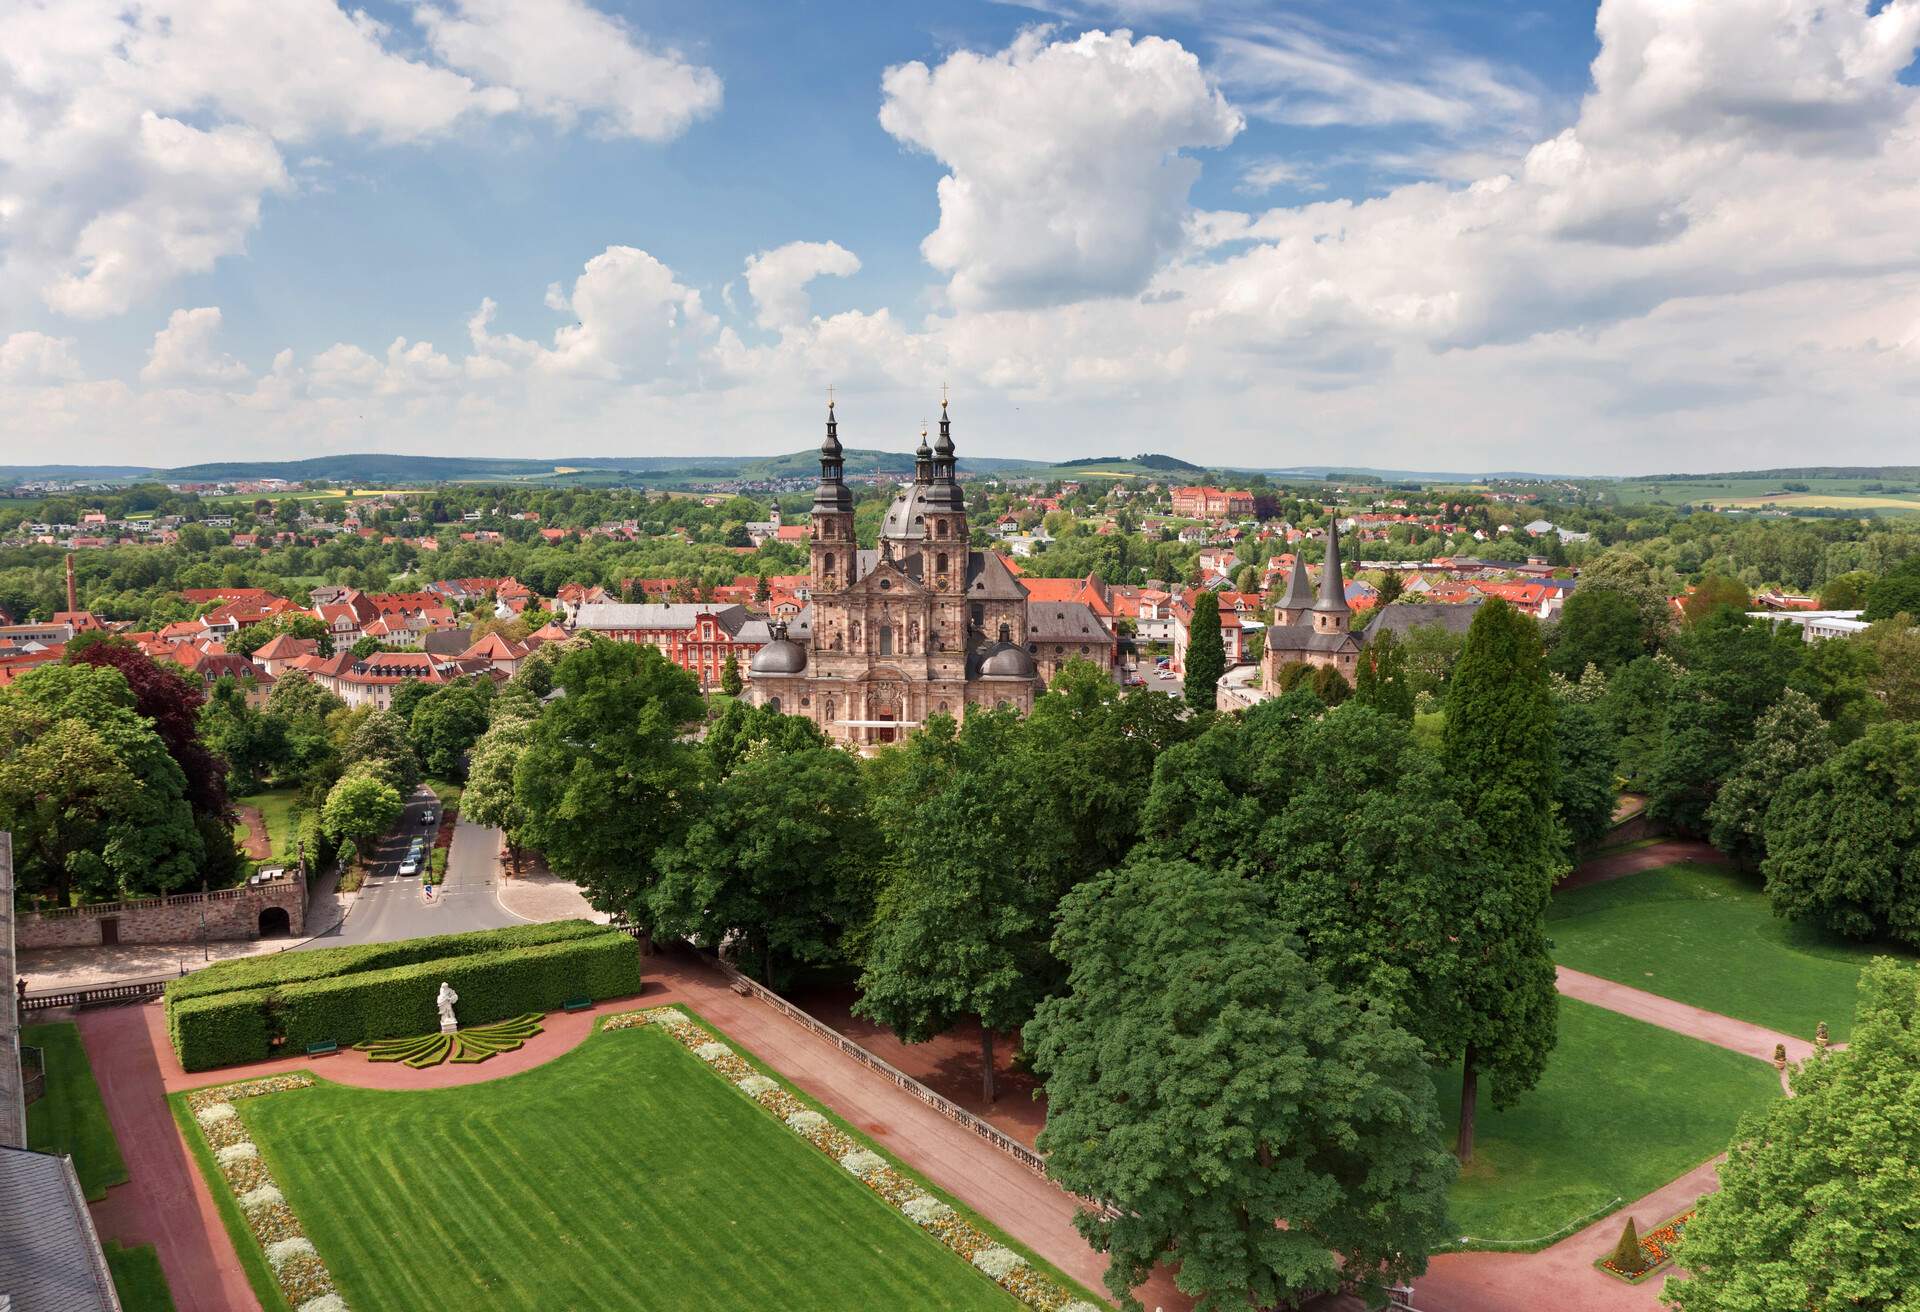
(1065,178)
(185,351)
(565,59)
(30,357)
(777,279)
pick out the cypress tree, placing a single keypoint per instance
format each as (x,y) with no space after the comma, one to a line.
(1206,653)
(1499,745)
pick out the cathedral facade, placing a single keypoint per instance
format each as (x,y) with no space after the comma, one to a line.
(920,625)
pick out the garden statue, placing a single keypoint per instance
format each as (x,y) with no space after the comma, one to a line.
(445,1002)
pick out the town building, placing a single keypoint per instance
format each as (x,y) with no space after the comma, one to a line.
(695,636)
(1212,503)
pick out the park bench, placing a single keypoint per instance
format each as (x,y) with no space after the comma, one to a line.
(576,1004)
(323,1048)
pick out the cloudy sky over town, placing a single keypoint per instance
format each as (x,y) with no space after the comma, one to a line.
(1445,235)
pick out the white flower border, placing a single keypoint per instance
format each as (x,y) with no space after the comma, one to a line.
(1002,1265)
(297,1267)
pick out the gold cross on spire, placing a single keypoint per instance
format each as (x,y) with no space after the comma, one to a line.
(829,396)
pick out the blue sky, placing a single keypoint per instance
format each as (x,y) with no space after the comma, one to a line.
(1434,235)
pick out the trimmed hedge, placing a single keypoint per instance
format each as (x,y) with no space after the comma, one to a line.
(397,1003)
(223,1030)
(323,963)
(241,1024)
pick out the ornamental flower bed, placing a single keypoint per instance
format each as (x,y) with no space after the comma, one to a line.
(297,1268)
(1002,1265)
(1656,1249)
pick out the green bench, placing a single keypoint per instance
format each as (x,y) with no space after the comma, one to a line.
(324,1048)
(576,1004)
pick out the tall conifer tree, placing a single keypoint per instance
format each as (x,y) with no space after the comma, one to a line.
(1499,744)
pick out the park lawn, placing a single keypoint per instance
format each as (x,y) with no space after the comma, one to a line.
(1623,1108)
(1707,936)
(446,790)
(622,1174)
(137,1278)
(277,811)
(72,1119)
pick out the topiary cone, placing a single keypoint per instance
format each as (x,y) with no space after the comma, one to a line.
(1626,1254)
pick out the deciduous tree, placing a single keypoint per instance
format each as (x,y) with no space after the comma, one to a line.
(780,859)
(1789,738)
(1843,838)
(1226,1107)
(1816,1206)
(361,807)
(608,775)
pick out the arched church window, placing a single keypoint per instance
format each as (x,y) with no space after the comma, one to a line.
(940,530)
(886,640)
(828,562)
(940,561)
(773,703)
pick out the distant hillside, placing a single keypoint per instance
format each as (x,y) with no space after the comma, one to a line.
(1906,473)
(378,469)
(1147,461)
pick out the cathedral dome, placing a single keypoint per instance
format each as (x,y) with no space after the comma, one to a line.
(1006,659)
(781,656)
(906,517)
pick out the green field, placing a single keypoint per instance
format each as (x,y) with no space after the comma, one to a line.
(1623,1108)
(623,1174)
(71,1118)
(137,1278)
(1706,936)
(1893,493)
(277,810)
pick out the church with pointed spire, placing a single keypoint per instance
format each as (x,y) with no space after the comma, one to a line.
(1312,628)
(918,625)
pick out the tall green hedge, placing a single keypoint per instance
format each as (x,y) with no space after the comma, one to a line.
(392,1004)
(380,1001)
(322,963)
(223,1030)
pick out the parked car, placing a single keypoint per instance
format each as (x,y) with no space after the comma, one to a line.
(428,817)
(411,866)
(1136,680)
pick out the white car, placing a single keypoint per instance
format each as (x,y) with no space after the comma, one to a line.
(411,866)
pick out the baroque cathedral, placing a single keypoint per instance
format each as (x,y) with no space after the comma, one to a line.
(920,625)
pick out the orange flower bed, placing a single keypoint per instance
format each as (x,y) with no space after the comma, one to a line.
(1656,1248)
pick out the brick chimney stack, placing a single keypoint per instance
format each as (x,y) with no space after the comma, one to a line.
(73,598)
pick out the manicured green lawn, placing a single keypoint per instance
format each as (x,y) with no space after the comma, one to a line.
(71,1118)
(137,1278)
(1623,1108)
(623,1174)
(1706,936)
(276,809)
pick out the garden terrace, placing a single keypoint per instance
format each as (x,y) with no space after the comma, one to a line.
(629,1172)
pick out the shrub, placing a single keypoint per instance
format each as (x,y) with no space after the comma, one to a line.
(364,996)
(222,1030)
(1627,1256)
(294,967)
(399,1002)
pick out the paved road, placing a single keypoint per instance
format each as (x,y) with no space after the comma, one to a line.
(391,906)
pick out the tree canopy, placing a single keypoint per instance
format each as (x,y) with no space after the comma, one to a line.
(1205,1082)
(1816,1206)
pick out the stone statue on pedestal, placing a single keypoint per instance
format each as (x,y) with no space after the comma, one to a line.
(445,1001)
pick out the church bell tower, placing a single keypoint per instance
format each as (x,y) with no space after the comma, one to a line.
(833,547)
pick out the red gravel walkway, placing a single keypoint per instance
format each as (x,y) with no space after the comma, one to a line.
(1666,852)
(1740,1036)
